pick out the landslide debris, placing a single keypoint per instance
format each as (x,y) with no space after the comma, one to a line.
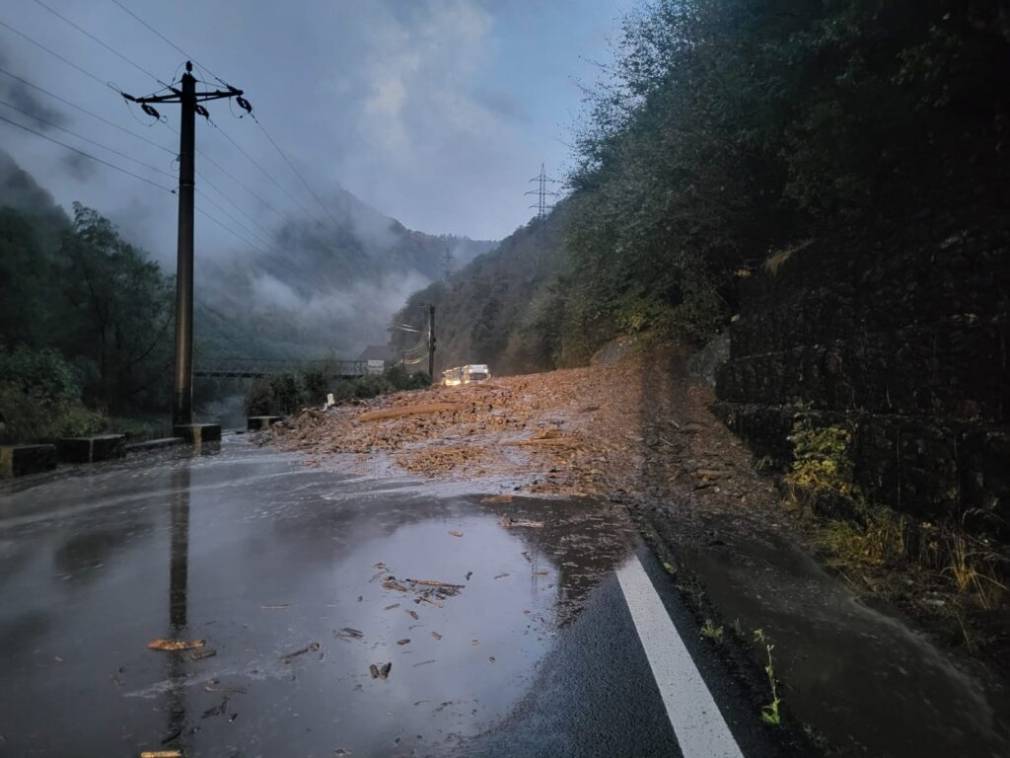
(565,432)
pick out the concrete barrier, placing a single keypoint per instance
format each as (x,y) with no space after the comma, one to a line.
(197,434)
(91,449)
(18,460)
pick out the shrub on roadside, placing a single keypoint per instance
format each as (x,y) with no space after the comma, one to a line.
(40,398)
(287,393)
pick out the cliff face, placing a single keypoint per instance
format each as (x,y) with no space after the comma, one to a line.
(905,348)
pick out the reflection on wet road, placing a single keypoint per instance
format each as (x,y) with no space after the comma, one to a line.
(298,581)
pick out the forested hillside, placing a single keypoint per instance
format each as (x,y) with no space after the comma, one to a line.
(825,183)
(504,308)
(87,318)
(732,133)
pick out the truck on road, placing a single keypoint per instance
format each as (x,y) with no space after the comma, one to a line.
(472,372)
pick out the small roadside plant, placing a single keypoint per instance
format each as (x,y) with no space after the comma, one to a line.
(770,713)
(974,566)
(712,632)
(821,459)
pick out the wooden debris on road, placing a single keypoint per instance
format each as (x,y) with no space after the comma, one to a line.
(175,645)
(509,523)
(409,410)
(310,648)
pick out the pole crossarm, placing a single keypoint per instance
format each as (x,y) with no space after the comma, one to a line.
(177,96)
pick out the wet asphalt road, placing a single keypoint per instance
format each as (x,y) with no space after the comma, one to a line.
(270,562)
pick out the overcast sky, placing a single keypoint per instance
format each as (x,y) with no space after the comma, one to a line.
(435,112)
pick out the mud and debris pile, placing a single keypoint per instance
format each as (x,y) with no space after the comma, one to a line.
(566,432)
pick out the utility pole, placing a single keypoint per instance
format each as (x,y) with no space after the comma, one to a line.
(542,193)
(189,98)
(431,343)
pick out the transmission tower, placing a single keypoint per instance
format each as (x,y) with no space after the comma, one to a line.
(447,263)
(542,192)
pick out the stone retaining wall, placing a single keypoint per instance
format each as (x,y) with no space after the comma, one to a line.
(908,350)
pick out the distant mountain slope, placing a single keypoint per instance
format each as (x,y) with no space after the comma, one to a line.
(331,290)
(502,308)
(328,287)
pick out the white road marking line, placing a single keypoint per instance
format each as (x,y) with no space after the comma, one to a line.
(696,720)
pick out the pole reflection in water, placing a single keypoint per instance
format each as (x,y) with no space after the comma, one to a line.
(177,599)
(179,564)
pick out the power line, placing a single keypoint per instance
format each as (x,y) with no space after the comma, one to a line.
(108,47)
(55,54)
(86,139)
(228,137)
(230,175)
(293,168)
(85,111)
(87,155)
(260,168)
(239,182)
(264,233)
(123,171)
(253,241)
(227,228)
(168,41)
(210,160)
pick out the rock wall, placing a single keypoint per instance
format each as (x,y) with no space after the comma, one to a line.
(908,348)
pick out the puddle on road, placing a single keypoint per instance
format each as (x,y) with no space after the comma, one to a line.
(285,572)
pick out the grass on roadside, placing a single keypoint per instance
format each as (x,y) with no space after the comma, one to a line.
(770,714)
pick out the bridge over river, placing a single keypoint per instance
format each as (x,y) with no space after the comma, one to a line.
(253,368)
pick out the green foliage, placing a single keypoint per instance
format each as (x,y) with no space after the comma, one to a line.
(42,373)
(288,393)
(315,383)
(770,714)
(41,399)
(121,310)
(712,632)
(401,379)
(83,291)
(726,129)
(821,457)
(876,538)
(259,400)
(285,394)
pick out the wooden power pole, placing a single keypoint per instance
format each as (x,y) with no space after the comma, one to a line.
(431,343)
(189,98)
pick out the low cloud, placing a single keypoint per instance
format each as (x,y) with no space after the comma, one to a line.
(78,166)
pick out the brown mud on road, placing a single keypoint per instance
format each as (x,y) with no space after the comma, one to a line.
(635,428)
(571,432)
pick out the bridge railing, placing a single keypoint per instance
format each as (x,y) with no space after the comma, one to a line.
(259,367)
